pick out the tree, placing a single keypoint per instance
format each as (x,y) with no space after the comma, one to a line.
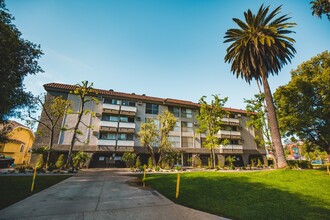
(209,119)
(129,159)
(166,122)
(53,108)
(19,58)
(261,48)
(320,7)
(84,91)
(148,137)
(304,103)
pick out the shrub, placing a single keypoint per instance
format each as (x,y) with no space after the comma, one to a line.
(259,164)
(21,169)
(138,162)
(60,162)
(302,164)
(80,158)
(196,161)
(178,168)
(40,162)
(150,164)
(157,168)
(129,159)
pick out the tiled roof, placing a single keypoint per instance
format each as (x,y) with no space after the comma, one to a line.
(65,87)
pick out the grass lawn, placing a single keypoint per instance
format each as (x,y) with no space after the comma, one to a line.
(16,188)
(279,194)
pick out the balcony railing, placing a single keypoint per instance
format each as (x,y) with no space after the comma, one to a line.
(229,134)
(106,142)
(231,149)
(127,143)
(230,121)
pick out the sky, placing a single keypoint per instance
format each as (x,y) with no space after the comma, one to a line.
(162,48)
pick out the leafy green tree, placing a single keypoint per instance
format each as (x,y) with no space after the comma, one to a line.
(166,122)
(53,109)
(209,119)
(148,137)
(304,103)
(320,7)
(260,48)
(85,93)
(18,58)
(129,159)
(60,162)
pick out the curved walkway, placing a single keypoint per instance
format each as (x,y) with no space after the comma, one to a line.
(100,194)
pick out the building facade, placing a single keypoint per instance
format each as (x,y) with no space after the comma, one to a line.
(118,117)
(20,145)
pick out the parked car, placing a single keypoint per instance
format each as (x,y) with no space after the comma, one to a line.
(6,162)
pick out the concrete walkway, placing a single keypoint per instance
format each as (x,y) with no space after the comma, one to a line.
(100,194)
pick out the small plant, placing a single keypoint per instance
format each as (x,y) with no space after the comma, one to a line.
(150,165)
(259,163)
(79,159)
(157,168)
(60,162)
(129,159)
(138,162)
(21,169)
(231,160)
(178,168)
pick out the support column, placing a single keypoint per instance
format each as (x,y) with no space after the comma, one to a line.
(264,157)
(221,159)
(245,159)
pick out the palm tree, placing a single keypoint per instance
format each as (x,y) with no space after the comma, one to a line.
(320,7)
(261,48)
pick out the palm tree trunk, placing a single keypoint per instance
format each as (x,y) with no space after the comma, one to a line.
(273,124)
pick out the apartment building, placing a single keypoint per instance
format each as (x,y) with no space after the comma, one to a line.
(119,117)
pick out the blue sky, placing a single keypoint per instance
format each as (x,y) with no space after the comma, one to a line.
(162,48)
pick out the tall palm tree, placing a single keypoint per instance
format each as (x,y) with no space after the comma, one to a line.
(320,7)
(261,48)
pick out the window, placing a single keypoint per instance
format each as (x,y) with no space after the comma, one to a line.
(112,101)
(187,126)
(187,142)
(22,148)
(128,103)
(108,136)
(126,119)
(155,121)
(174,110)
(229,128)
(177,126)
(186,113)
(233,142)
(125,136)
(175,141)
(152,108)
(110,118)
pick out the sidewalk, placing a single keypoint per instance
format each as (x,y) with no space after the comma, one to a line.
(100,194)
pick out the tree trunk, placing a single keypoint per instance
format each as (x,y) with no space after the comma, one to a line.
(50,147)
(273,124)
(152,154)
(213,158)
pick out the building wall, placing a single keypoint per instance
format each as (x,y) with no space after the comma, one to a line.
(19,148)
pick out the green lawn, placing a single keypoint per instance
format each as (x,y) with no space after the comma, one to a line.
(16,188)
(280,194)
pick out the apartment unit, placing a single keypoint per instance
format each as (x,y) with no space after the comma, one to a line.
(119,117)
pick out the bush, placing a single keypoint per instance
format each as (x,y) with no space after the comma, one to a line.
(138,162)
(60,162)
(157,168)
(40,162)
(80,158)
(21,169)
(150,164)
(302,164)
(129,159)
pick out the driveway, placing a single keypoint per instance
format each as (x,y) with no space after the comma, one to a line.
(100,194)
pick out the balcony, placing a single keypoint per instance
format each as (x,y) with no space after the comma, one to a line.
(109,108)
(230,121)
(126,127)
(128,110)
(104,142)
(229,134)
(125,143)
(231,149)
(108,126)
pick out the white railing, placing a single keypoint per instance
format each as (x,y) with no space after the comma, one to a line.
(108,124)
(110,106)
(125,143)
(126,125)
(231,147)
(233,133)
(107,142)
(128,108)
(230,120)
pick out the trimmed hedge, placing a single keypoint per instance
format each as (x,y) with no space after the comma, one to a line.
(303,164)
